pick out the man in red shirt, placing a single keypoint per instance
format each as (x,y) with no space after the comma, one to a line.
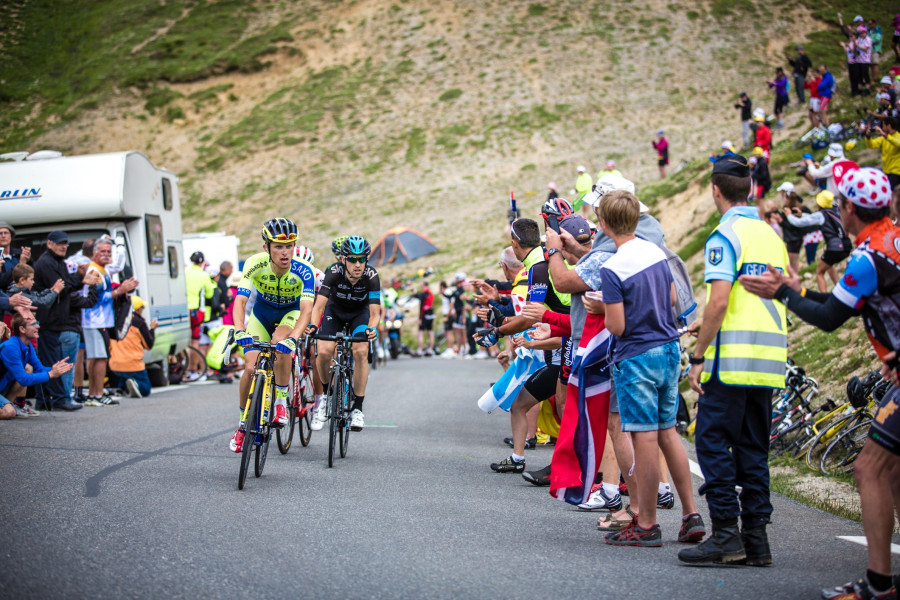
(763,135)
(426,319)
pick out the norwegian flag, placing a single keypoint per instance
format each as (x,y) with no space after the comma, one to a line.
(582,434)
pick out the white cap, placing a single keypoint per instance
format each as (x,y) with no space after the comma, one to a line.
(727,144)
(759,112)
(835,150)
(858,18)
(886,79)
(610,163)
(581,169)
(787,186)
(611,183)
(460,276)
(883,96)
(752,160)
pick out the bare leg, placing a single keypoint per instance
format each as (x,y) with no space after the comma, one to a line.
(624,452)
(96,375)
(794,260)
(532,417)
(360,367)
(832,272)
(608,466)
(7,412)
(821,267)
(523,403)
(877,473)
(246,377)
(677,459)
(663,468)
(646,454)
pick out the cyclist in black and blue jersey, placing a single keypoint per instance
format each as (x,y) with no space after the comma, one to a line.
(350,297)
(282,290)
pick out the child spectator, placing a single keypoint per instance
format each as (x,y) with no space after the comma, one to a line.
(23,281)
(639,292)
(126,357)
(21,365)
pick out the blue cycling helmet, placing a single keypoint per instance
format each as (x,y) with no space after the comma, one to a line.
(355,245)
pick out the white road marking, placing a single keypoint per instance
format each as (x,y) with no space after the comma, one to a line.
(695,469)
(861,540)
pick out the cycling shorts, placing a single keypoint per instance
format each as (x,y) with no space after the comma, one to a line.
(265,318)
(335,320)
(885,430)
(427,321)
(542,383)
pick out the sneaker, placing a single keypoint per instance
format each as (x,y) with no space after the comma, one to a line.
(29,412)
(237,440)
(319,416)
(20,410)
(281,416)
(357,420)
(508,465)
(132,387)
(539,478)
(600,500)
(666,500)
(429,352)
(107,401)
(481,354)
(692,529)
(635,535)
(858,590)
(92,401)
(530,444)
(448,353)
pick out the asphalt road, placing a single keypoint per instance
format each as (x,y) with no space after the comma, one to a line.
(141,501)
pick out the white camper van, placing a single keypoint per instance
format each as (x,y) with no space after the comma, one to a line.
(121,194)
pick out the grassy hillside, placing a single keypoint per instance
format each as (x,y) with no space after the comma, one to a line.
(361,115)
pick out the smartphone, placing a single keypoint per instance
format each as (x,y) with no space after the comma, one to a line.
(553,223)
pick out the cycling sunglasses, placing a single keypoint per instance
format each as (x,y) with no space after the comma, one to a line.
(355,259)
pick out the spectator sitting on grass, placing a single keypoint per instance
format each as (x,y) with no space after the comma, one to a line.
(23,281)
(126,357)
(18,357)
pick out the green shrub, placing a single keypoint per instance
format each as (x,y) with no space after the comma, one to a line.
(451,94)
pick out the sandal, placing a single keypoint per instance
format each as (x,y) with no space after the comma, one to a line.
(611,523)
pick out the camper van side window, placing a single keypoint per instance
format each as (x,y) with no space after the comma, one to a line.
(155,240)
(167,193)
(173,262)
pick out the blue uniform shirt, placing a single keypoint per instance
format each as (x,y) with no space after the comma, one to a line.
(721,263)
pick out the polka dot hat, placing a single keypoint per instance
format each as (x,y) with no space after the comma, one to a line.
(866,187)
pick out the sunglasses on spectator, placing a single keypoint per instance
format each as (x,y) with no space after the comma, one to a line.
(512,230)
(355,259)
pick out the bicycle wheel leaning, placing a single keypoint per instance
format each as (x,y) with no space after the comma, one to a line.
(265,435)
(843,451)
(251,425)
(825,436)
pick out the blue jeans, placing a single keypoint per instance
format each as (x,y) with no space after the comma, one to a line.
(68,342)
(647,386)
(141,377)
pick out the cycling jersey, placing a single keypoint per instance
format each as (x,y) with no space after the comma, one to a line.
(280,292)
(540,286)
(871,284)
(351,297)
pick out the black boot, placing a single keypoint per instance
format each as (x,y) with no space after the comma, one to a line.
(724,546)
(756,545)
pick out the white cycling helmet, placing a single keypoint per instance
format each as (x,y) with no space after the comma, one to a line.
(304,253)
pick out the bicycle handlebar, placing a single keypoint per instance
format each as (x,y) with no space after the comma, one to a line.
(340,337)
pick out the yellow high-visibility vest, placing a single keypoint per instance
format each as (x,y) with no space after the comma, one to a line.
(751,346)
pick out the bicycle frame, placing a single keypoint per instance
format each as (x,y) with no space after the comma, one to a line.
(265,364)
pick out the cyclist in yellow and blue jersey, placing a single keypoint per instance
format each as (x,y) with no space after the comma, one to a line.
(283,291)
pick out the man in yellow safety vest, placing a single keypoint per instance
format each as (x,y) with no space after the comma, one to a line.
(739,359)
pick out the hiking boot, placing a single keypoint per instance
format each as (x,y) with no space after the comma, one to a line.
(858,590)
(692,529)
(530,444)
(756,545)
(635,535)
(600,500)
(666,500)
(724,546)
(540,478)
(508,465)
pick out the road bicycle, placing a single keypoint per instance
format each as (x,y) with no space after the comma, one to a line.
(258,415)
(301,399)
(842,452)
(340,391)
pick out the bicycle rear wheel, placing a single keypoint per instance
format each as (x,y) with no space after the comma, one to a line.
(825,436)
(345,423)
(307,399)
(265,437)
(251,425)
(285,435)
(182,360)
(843,451)
(334,414)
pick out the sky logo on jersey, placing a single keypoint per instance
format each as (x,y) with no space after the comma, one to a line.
(23,194)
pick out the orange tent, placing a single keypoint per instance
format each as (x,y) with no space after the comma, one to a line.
(400,245)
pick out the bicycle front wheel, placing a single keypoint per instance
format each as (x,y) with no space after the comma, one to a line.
(843,451)
(265,435)
(307,399)
(823,439)
(251,426)
(345,423)
(285,435)
(334,414)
